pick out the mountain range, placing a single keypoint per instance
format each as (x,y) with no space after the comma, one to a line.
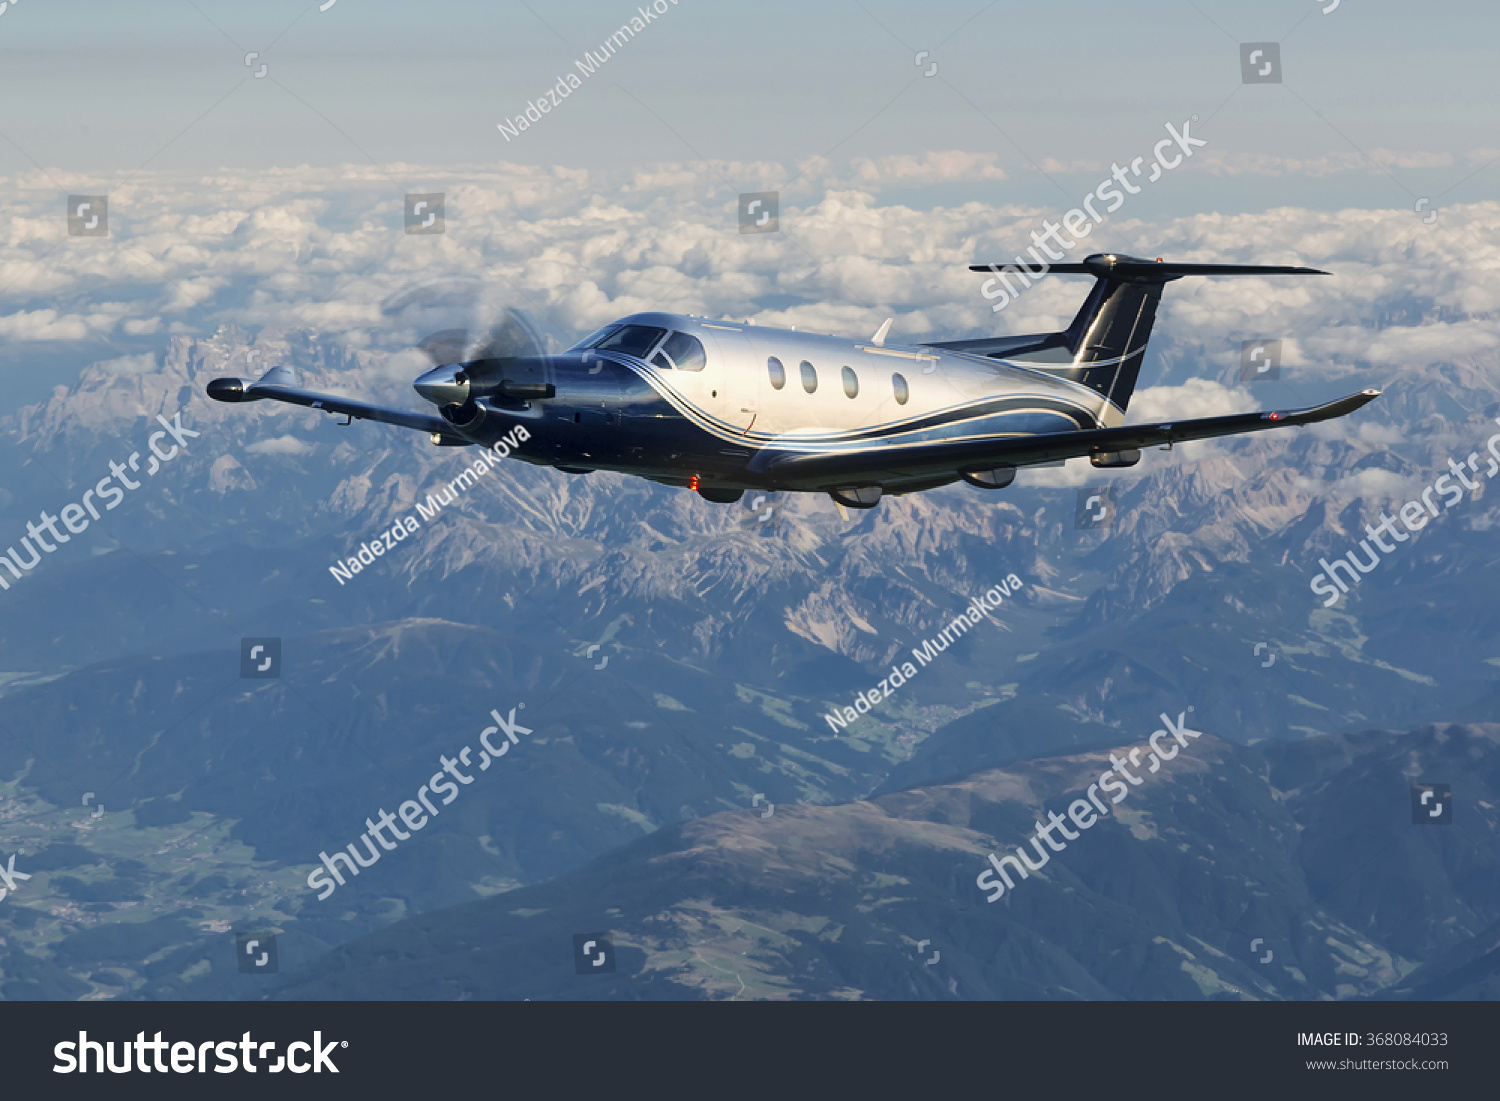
(675,662)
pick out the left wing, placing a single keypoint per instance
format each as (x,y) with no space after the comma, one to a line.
(938,459)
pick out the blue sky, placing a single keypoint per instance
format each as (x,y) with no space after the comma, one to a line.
(98,90)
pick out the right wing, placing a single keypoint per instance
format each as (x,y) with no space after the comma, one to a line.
(280,384)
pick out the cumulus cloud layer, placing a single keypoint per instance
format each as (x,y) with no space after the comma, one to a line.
(281,445)
(295,249)
(306,250)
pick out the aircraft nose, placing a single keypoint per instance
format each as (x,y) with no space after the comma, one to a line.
(446,385)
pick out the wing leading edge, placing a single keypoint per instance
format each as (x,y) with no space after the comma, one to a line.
(280,384)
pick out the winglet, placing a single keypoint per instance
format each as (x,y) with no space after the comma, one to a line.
(1339,407)
(879,338)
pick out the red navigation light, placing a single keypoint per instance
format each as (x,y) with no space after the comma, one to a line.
(693,482)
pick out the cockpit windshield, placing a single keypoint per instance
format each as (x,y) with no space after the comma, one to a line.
(594,337)
(632,340)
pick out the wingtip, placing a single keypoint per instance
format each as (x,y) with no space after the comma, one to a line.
(227,389)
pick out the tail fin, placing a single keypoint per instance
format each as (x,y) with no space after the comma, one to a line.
(1104,346)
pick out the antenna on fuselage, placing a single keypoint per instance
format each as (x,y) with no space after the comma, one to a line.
(879,338)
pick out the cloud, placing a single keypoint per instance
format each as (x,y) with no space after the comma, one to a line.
(1368,432)
(43,325)
(281,445)
(908,171)
(303,250)
(1053,166)
(1377,161)
(1197,397)
(1371,484)
(143,364)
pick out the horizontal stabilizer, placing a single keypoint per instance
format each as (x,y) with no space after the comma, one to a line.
(1133,269)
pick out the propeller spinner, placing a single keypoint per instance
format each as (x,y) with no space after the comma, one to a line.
(446,385)
(510,361)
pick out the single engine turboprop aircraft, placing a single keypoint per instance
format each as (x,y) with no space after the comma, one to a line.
(721,407)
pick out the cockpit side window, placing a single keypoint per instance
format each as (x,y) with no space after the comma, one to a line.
(632,340)
(681,351)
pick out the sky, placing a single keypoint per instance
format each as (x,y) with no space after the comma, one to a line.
(94,91)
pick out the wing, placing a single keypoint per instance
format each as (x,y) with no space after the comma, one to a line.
(280,384)
(939,459)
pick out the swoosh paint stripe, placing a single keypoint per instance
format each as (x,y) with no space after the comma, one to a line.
(845,442)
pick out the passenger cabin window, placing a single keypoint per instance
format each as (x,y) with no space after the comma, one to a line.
(851,382)
(633,340)
(682,352)
(903,391)
(778,373)
(809,377)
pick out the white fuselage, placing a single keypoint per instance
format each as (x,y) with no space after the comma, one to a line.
(946,395)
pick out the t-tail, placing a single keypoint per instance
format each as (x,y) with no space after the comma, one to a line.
(1104,346)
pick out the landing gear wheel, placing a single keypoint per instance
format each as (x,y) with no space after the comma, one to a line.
(857,496)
